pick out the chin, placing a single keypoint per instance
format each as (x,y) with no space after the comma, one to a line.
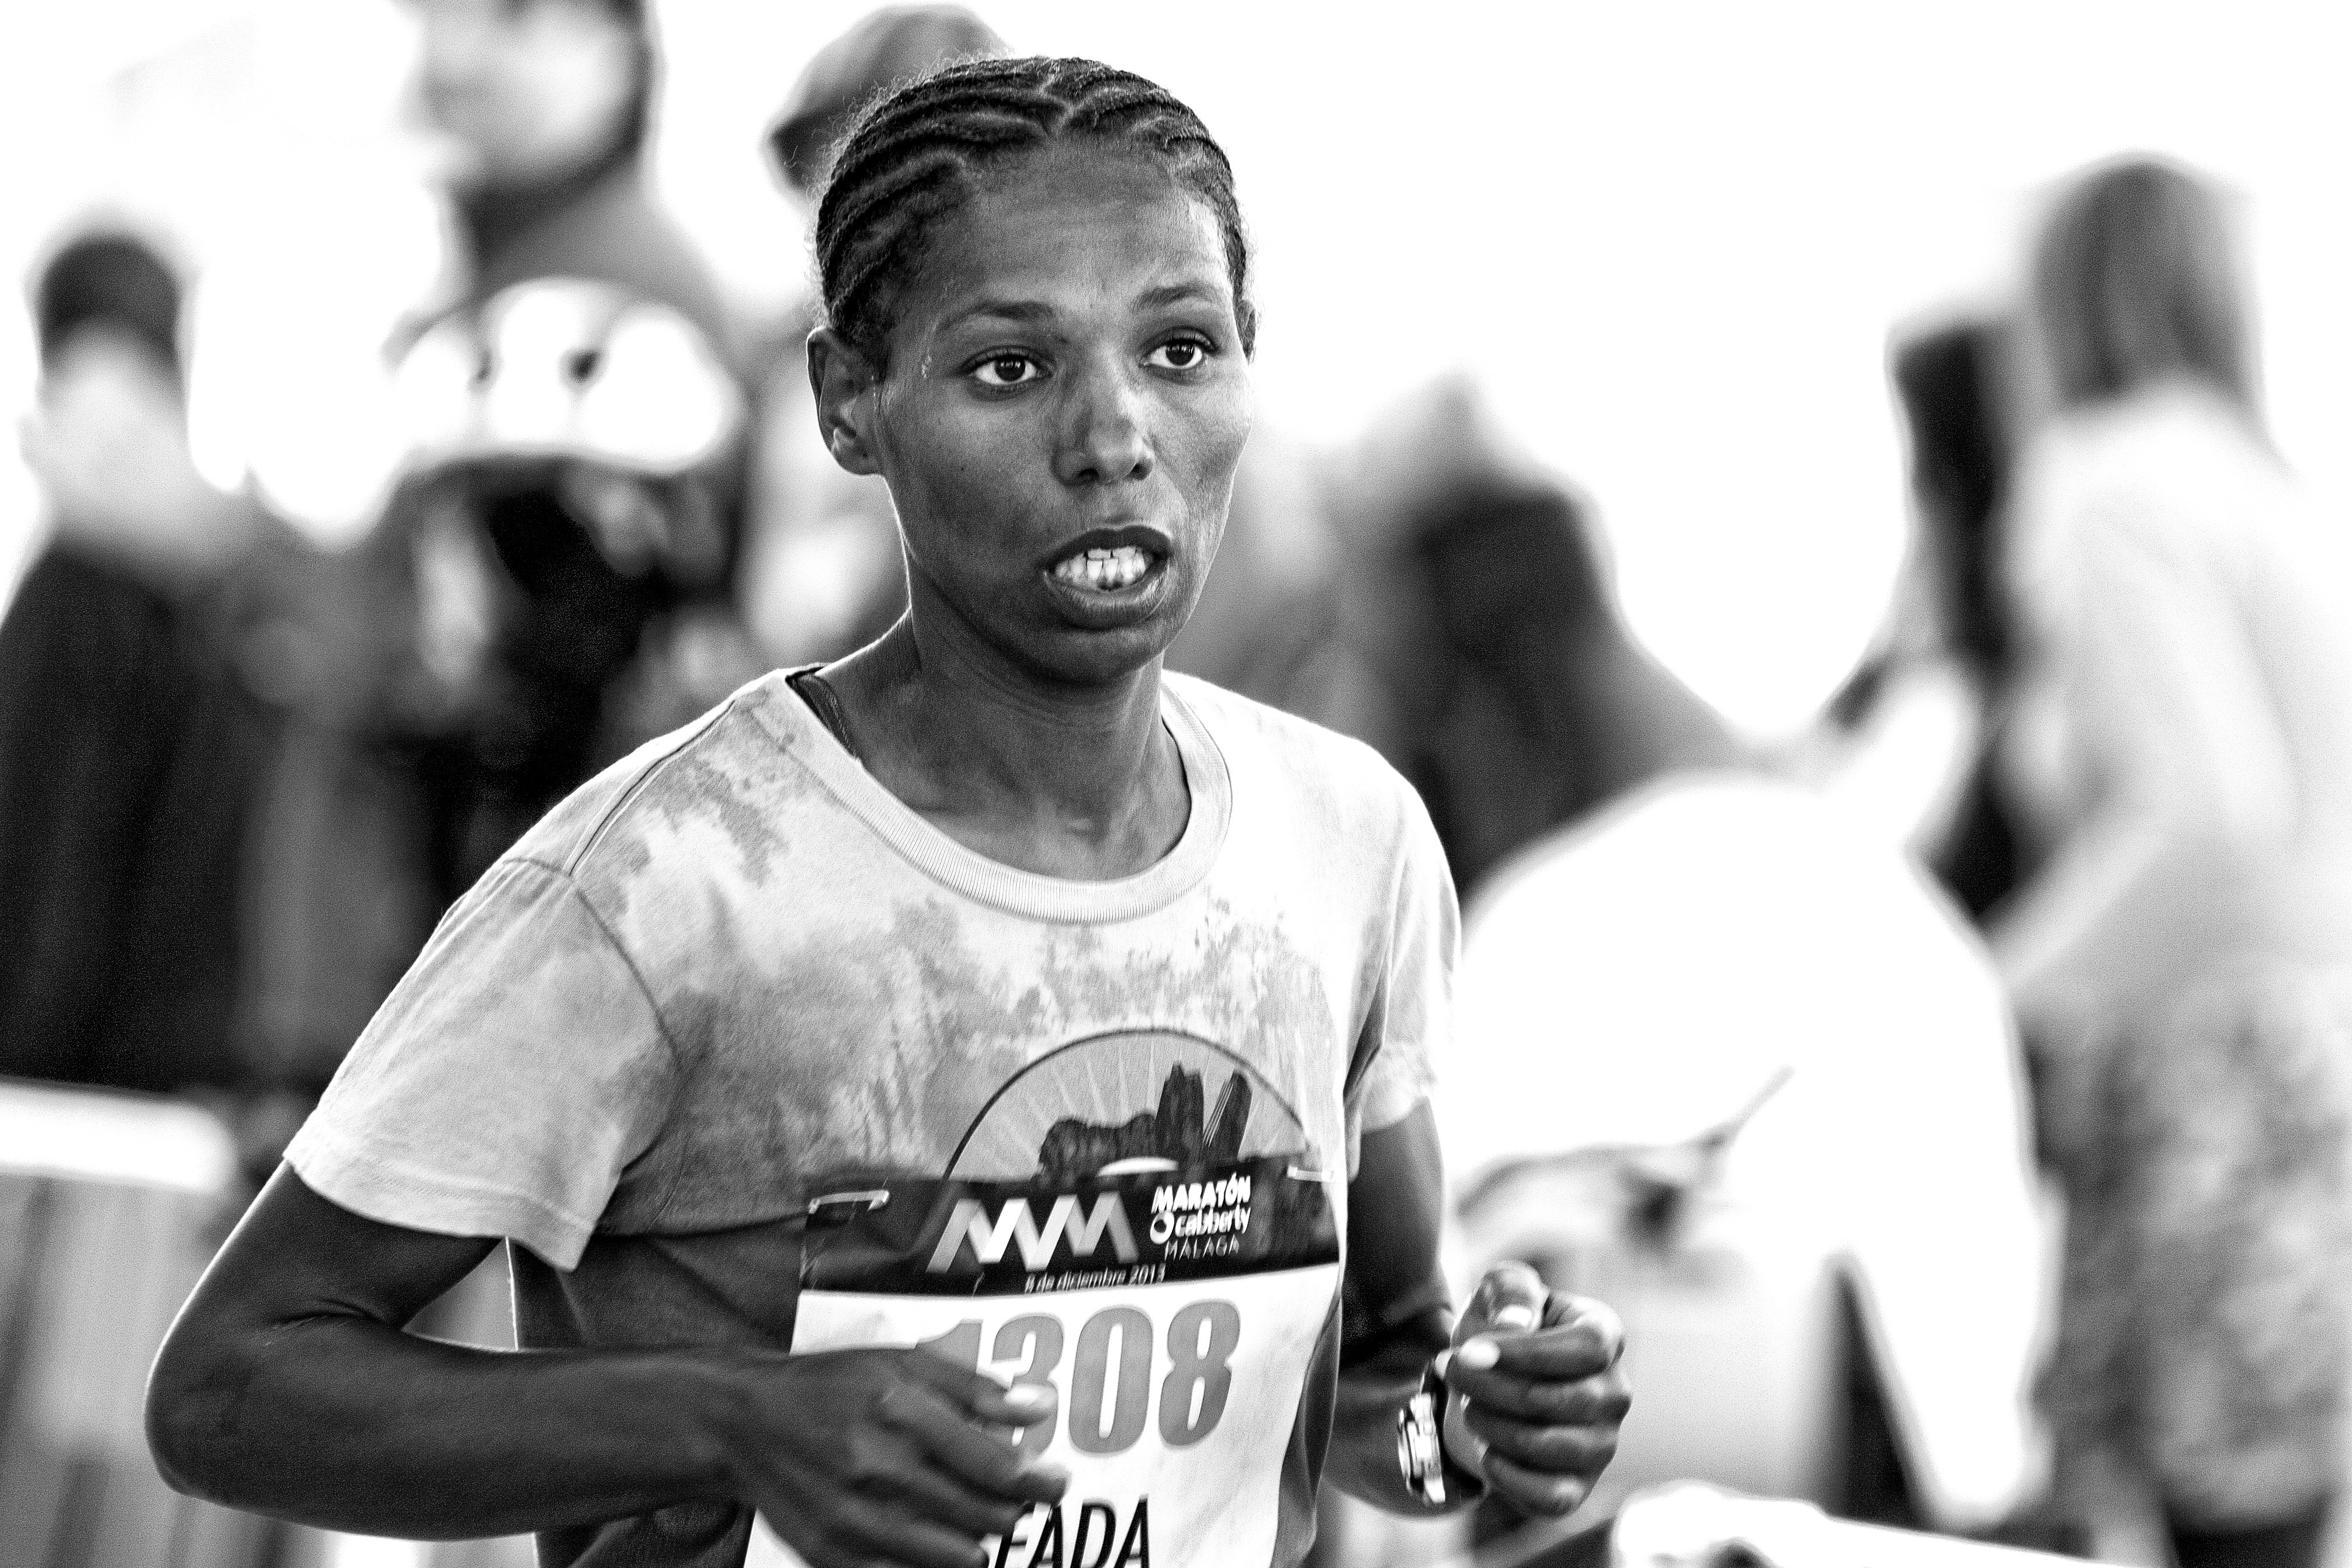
(1097,658)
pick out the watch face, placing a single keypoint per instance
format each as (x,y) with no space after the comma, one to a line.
(1419,1457)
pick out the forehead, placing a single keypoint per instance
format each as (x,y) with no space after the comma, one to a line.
(1072,220)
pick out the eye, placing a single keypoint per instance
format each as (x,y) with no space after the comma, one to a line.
(1181,353)
(1007,370)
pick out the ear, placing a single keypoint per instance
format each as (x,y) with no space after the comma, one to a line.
(843,382)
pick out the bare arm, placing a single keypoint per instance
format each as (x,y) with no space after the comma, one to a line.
(1537,1398)
(1399,1313)
(288,1387)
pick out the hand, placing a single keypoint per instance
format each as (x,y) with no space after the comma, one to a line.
(1536,1395)
(888,1456)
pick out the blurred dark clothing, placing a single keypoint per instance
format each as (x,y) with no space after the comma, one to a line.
(130,755)
(2297,1543)
(1516,701)
(588,661)
(1945,380)
(585,654)
(1982,855)
(338,903)
(1954,612)
(599,223)
(1978,850)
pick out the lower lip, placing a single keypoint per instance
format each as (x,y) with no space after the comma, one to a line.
(1106,609)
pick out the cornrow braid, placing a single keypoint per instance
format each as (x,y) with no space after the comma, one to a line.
(916,153)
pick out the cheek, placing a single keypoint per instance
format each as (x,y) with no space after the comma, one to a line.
(1210,431)
(958,484)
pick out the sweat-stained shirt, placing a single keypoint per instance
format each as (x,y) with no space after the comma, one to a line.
(733,977)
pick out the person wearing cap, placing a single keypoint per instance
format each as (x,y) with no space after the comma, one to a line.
(892,44)
(821,572)
(130,749)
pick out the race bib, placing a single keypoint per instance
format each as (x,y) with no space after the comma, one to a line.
(1171,1306)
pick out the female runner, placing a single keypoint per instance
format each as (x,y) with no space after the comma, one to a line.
(965,1104)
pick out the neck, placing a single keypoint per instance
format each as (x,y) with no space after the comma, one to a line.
(496,215)
(1069,781)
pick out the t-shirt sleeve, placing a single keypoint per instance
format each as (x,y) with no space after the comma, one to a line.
(1412,1006)
(506,1084)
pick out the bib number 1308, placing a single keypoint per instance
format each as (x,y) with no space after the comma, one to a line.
(1111,1386)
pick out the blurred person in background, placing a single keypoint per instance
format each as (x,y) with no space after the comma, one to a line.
(562,534)
(2183,749)
(1470,736)
(1724,1059)
(1949,650)
(612,589)
(131,750)
(823,572)
(546,109)
(492,639)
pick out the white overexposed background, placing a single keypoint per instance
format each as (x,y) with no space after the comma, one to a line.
(1669,240)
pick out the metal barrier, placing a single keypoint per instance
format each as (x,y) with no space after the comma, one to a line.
(110,1206)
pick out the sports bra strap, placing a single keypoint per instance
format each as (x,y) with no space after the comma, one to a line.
(825,702)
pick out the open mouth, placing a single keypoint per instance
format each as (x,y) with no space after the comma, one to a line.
(1104,570)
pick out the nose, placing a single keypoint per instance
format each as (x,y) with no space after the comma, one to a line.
(1103,438)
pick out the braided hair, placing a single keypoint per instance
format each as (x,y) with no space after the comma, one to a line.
(916,155)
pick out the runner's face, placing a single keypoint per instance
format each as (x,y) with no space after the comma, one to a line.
(1065,403)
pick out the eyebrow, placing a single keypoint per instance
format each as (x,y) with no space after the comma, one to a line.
(1036,312)
(1177,294)
(1007,310)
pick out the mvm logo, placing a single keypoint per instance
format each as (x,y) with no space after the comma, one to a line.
(1017,1223)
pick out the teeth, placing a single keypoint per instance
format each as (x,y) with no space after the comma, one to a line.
(1105,571)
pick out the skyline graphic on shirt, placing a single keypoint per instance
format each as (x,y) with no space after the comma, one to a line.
(1126,1102)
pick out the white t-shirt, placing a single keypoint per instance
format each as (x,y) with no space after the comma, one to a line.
(734,975)
(2183,725)
(1642,976)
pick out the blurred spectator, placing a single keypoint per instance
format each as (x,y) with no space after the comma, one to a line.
(538,599)
(547,106)
(1947,380)
(523,612)
(889,45)
(1943,669)
(129,752)
(1474,725)
(562,530)
(625,623)
(2183,745)
(1725,1061)
(823,574)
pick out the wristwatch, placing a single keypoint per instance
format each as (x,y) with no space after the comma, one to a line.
(1421,1445)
